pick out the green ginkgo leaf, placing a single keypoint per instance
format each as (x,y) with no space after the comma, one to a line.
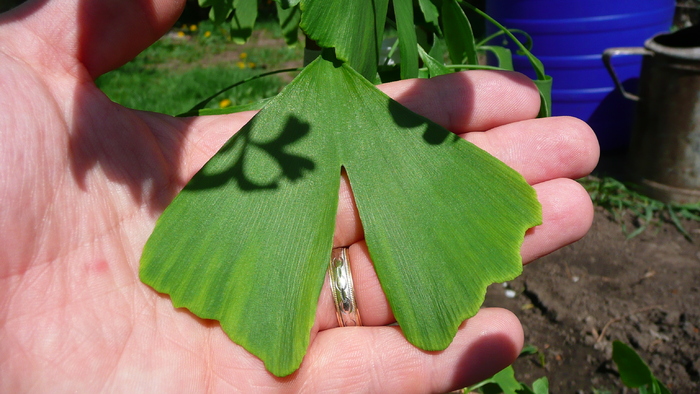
(248,241)
(355,28)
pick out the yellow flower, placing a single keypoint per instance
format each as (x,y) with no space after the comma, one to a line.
(224,103)
(193,27)
(243,55)
(240,64)
(207,33)
(181,34)
(251,65)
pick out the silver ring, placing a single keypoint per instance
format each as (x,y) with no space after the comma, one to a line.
(342,289)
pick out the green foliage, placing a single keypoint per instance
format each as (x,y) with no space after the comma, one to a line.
(408,41)
(219,11)
(506,383)
(354,28)
(202,109)
(243,19)
(543,81)
(434,66)
(458,33)
(430,14)
(289,19)
(634,372)
(280,174)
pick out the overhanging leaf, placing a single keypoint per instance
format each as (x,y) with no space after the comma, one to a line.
(354,28)
(289,23)
(220,9)
(247,242)
(503,56)
(458,33)
(408,42)
(430,13)
(285,4)
(545,88)
(439,48)
(543,81)
(243,21)
(435,67)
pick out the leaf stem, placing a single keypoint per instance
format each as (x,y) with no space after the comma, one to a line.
(536,63)
(195,110)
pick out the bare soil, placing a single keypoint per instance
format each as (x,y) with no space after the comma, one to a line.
(574,303)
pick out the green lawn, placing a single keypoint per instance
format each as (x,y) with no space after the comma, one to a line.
(190,64)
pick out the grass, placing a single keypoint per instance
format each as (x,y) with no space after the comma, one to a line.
(621,200)
(194,61)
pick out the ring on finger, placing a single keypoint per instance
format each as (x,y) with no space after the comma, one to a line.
(342,289)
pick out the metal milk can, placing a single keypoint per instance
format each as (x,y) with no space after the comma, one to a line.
(664,153)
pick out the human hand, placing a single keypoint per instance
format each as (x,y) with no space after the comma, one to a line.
(83,180)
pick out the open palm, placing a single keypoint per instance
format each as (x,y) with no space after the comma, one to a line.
(82,181)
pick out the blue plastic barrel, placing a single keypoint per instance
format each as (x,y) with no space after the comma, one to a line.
(569,37)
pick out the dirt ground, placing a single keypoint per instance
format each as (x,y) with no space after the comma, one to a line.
(575,302)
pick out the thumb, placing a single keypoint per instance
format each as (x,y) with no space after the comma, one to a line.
(100,34)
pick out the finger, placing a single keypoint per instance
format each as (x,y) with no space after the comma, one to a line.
(371,302)
(567,214)
(202,137)
(100,34)
(461,102)
(542,149)
(347,223)
(469,101)
(386,362)
(539,149)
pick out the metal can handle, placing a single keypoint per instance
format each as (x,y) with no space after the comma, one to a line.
(622,51)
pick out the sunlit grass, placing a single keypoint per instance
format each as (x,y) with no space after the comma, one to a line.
(195,61)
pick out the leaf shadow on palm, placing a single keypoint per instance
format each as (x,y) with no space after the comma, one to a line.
(283,164)
(433,134)
(142,151)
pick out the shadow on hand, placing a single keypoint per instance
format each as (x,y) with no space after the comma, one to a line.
(254,176)
(432,103)
(433,134)
(143,151)
(115,140)
(486,356)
